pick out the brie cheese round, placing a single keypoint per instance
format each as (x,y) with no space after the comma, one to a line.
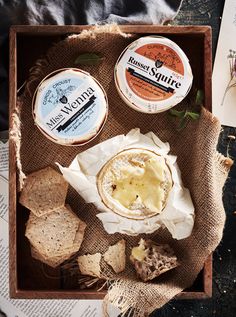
(135,183)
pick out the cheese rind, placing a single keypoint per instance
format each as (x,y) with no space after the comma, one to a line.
(135,183)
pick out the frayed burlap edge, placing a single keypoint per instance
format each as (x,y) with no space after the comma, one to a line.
(117,296)
(15,136)
(98,29)
(223,162)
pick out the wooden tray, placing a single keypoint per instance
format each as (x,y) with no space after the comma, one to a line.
(27,44)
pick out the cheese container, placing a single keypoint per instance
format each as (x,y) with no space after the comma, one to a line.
(70,107)
(153,74)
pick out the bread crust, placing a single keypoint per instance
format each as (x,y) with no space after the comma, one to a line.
(159,259)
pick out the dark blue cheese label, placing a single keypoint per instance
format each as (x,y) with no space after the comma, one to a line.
(70,107)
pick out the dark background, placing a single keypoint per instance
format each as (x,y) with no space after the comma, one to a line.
(223,302)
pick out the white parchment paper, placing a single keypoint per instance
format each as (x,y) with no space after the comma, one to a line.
(178,214)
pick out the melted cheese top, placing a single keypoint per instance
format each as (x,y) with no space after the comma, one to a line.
(140,185)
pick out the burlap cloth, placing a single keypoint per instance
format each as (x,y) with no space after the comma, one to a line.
(204,171)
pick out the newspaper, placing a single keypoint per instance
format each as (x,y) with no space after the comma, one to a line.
(3,198)
(4,167)
(4,159)
(33,307)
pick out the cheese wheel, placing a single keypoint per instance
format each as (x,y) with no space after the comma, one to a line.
(153,74)
(135,183)
(70,107)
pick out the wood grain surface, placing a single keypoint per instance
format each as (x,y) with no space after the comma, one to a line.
(26,278)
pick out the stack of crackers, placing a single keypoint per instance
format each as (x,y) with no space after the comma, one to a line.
(53,229)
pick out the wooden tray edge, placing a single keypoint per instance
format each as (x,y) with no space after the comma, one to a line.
(52,29)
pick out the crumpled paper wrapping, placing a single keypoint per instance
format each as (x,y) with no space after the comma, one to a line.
(178,214)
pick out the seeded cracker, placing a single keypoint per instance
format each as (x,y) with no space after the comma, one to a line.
(53,262)
(44,191)
(54,233)
(115,256)
(90,264)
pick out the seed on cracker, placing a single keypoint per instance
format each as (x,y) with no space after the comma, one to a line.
(55,236)
(51,261)
(44,191)
(115,256)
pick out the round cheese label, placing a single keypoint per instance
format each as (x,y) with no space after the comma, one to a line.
(70,107)
(153,74)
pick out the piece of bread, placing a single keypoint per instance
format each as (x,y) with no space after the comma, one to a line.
(115,256)
(151,259)
(135,183)
(44,191)
(90,264)
(55,234)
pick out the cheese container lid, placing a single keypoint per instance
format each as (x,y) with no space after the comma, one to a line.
(70,107)
(153,74)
